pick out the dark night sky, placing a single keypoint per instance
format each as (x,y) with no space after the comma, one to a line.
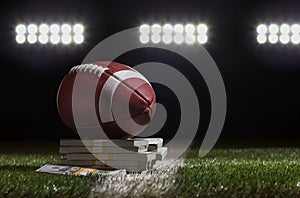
(262,82)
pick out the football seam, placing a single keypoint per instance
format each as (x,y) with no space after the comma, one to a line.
(98,70)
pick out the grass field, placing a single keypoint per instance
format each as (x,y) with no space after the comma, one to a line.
(222,173)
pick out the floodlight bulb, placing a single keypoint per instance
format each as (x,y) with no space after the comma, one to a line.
(32,29)
(167,38)
(156,29)
(78,38)
(202,28)
(190,39)
(44,29)
(54,29)
(43,38)
(273,29)
(262,29)
(284,38)
(168,29)
(155,38)
(20,38)
(54,39)
(21,29)
(144,29)
(189,28)
(273,38)
(202,38)
(295,39)
(144,38)
(78,28)
(32,38)
(66,39)
(261,38)
(285,29)
(178,28)
(66,29)
(178,38)
(295,29)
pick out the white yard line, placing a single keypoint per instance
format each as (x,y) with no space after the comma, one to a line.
(148,183)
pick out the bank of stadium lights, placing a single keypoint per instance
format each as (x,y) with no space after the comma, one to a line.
(53,34)
(273,33)
(177,33)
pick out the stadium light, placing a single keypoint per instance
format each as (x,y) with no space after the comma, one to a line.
(178,28)
(20,38)
(144,29)
(273,29)
(156,29)
(54,29)
(177,34)
(32,29)
(50,33)
(168,29)
(273,33)
(32,38)
(44,29)
(21,29)
(189,29)
(78,38)
(78,29)
(167,38)
(43,38)
(178,38)
(54,39)
(202,29)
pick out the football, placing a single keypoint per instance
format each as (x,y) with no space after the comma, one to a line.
(109,95)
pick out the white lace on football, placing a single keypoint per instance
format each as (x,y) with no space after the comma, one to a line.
(91,68)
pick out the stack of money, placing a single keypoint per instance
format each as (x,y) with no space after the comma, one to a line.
(133,155)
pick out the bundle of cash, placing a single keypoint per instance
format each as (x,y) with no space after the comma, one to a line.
(133,155)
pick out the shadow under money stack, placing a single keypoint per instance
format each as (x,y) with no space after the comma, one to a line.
(133,155)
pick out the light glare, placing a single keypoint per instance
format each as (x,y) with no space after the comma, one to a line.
(178,28)
(21,29)
(54,29)
(273,38)
(78,28)
(44,29)
(178,38)
(202,29)
(202,38)
(261,38)
(284,38)
(32,38)
(32,29)
(66,39)
(285,29)
(295,39)
(190,39)
(167,38)
(156,29)
(144,29)
(144,38)
(20,38)
(262,29)
(66,29)
(155,38)
(43,39)
(295,29)
(78,38)
(273,29)
(54,39)
(189,28)
(167,29)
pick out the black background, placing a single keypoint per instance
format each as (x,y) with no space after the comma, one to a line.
(262,81)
